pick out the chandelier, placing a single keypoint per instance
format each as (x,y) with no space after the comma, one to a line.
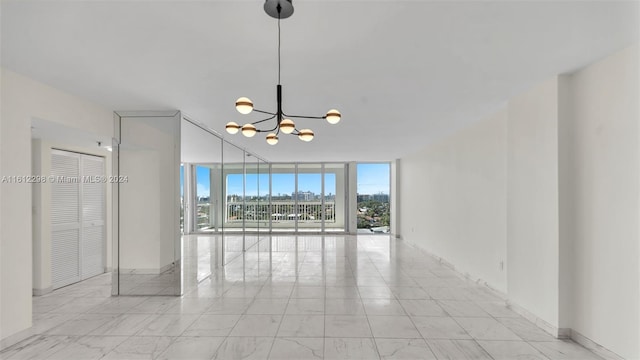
(279,9)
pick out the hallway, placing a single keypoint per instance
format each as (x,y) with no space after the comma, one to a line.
(310,297)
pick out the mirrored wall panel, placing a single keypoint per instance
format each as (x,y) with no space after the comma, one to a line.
(201,157)
(147,204)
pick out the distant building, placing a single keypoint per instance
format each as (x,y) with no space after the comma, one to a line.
(381,197)
(375,197)
(303,196)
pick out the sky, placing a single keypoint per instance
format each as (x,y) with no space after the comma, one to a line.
(372,179)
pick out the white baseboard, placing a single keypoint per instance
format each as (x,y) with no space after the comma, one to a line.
(40,292)
(593,346)
(16,338)
(558,333)
(146,271)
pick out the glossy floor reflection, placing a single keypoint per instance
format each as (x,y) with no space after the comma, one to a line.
(293,297)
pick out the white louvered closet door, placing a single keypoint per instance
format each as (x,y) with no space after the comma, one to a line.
(93,216)
(77,217)
(65,219)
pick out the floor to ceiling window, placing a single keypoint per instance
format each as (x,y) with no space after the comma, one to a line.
(257,197)
(309,197)
(373,210)
(204,207)
(283,202)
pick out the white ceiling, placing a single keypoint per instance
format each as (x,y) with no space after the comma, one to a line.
(403,73)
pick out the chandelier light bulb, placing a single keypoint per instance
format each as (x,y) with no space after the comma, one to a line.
(244,105)
(232,127)
(287,126)
(272,139)
(249,130)
(305,135)
(333,116)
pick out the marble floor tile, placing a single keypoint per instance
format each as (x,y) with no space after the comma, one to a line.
(366,281)
(297,348)
(409,349)
(422,308)
(154,305)
(124,325)
(305,307)
(276,291)
(44,304)
(37,347)
(462,308)
(481,293)
(342,292)
(302,326)
(347,326)
(525,329)
(118,305)
(447,293)
(248,348)
(212,325)
(497,309)
(228,306)
(167,325)
(383,307)
(80,305)
(486,329)
(400,327)
(140,347)
(564,350)
(409,292)
(402,280)
(438,282)
(268,306)
(257,325)
(82,324)
(458,350)
(439,328)
(190,306)
(508,350)
(353,348)
(42,322)
(344,307)
(88,348)
(242,291)
(307,292)
(192,348)
(375,292)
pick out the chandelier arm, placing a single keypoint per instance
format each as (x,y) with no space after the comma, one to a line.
(305,117)
(269,130)
(263,120)
(264,112)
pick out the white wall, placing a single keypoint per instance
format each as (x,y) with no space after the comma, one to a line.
(564,161)
(22,100)
(532,201)
(453,200)
(603,155)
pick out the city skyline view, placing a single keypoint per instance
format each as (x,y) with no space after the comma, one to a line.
(372,178)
